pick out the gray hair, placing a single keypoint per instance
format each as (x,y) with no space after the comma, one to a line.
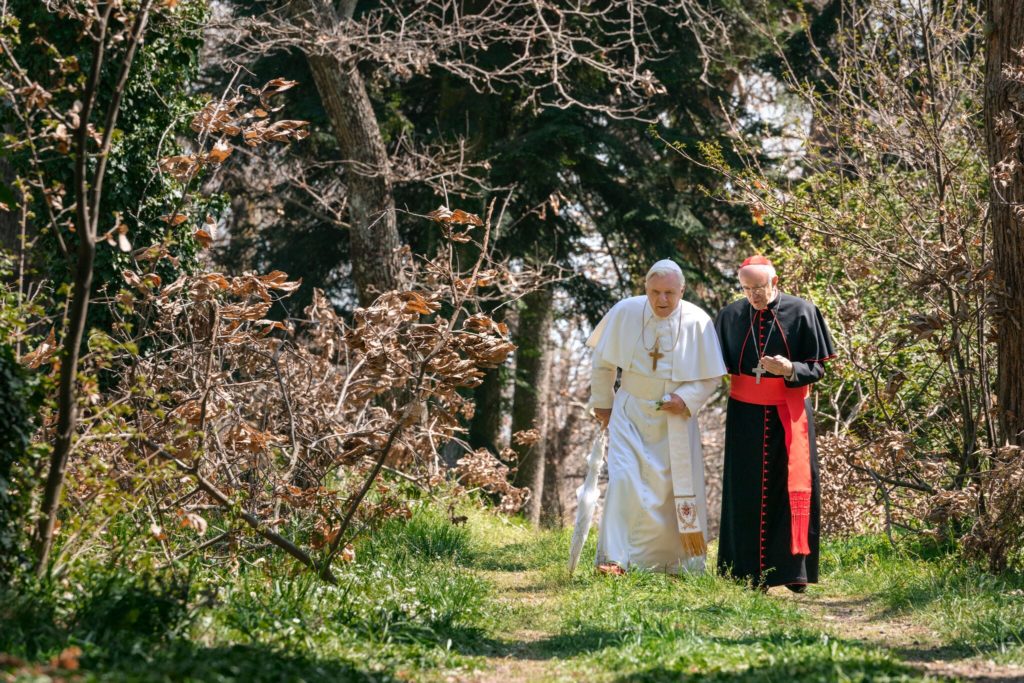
(666,267)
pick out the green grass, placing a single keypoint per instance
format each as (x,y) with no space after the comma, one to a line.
(967,608)
(426,600)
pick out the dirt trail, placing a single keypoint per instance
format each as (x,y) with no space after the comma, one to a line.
(520,656)
(852,617)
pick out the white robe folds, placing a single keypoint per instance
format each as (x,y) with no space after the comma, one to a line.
(649,502)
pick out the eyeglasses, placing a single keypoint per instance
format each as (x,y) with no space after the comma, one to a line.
(751,290)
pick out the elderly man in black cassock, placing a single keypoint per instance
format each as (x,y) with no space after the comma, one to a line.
(775,346)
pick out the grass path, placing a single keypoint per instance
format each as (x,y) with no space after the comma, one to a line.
(522,652)
(859,618)
(653,628)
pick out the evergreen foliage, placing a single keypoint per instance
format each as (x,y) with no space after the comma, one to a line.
(54,52)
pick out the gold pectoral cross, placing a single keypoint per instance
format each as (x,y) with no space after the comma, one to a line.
(655,355)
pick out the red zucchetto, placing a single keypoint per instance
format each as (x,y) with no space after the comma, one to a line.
(756,260)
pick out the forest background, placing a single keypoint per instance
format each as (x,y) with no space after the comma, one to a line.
(277,275)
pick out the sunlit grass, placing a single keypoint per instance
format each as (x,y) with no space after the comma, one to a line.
(428,600)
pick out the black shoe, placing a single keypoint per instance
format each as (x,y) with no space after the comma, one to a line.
(797,587)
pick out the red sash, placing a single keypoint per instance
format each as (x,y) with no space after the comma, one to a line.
(772,391)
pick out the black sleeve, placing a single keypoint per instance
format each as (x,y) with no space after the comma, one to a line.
(806,373)
(816,346)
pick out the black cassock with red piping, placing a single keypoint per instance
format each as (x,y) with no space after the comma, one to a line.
(756,537)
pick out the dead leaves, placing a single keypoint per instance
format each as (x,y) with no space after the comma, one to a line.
(190,520)
(263,131)
(42,353)
(418,304)
(268,417)
(457,217)
(482,470)
(227,118)
(117,236)
(447,218)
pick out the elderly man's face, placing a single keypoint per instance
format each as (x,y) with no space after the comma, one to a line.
(664,293)
(758,287)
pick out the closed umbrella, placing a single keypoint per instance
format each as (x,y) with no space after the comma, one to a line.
(586,496)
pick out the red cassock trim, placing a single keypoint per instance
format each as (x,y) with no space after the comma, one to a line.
(772,391)
(764,495)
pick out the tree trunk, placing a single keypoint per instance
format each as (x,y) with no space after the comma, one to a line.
(1004,125)
(529,406)
(373,233)
(88,194)
(552,513)
(485,427)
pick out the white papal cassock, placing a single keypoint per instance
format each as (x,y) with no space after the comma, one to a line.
(655,464)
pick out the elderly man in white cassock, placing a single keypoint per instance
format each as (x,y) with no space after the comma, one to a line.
(655,513)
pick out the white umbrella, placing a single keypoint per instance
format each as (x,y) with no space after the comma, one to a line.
(586,496)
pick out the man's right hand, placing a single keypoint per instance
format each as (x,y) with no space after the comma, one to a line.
(603,415)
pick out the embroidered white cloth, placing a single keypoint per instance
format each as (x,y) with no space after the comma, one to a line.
(655,464)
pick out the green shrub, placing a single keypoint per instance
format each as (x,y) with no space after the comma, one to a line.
(20,398)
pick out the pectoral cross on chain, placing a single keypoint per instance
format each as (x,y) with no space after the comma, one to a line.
(655,355)
(759,370)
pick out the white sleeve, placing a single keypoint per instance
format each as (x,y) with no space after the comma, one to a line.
(602,383)
(695,393)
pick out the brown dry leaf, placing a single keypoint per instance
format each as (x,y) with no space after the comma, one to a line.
(481,323)
(216,280)
(269,326)
(61,138)
(445,215)
(254,311)
(278,279)
(273,87)
(174,220)
(279,131)
(221,150)
(203,237)
(180,167)
(526,437)
(247,438)
(348,553)
(151,281)
(68,658)
(36,97)
(151,253)
(190,520)
(757,213)
(416,303)
(42,353)
(218,117)
(157,532)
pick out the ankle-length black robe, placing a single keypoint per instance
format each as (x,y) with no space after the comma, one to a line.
(754,541)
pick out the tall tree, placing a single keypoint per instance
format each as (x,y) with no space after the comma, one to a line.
(373,229)
(529,407)
(1004,125)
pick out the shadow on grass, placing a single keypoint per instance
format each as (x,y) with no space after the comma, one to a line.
(552,647)
(184,661)
(848,671)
